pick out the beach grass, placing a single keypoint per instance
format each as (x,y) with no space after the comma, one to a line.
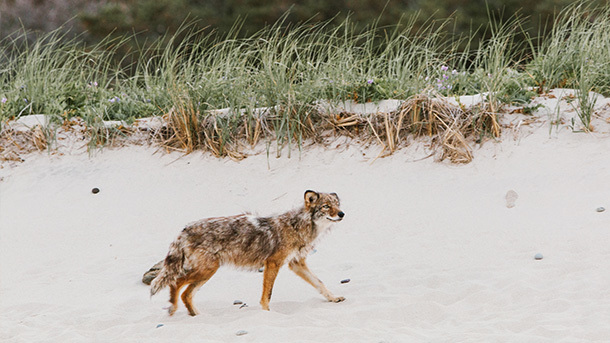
(576,55)
(217,93)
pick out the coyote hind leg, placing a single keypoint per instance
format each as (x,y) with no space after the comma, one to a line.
(174,290)
(201,278)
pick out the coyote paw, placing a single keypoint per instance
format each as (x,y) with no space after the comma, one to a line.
(337,299)
(172,309)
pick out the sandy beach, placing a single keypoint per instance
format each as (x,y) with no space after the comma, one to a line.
(435,252)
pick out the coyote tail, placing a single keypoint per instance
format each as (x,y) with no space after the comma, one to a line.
(173,268)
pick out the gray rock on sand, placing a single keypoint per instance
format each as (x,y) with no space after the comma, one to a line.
(152,273)
(511,197)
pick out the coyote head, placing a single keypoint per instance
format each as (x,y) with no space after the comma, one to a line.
(323,206)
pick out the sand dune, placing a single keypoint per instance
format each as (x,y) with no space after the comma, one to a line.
(432,250)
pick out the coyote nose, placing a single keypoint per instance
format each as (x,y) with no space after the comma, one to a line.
(340,214)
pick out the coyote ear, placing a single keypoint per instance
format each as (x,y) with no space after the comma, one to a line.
(335,195)
(310,198)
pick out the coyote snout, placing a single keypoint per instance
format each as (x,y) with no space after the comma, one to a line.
(338,218)
(248,241)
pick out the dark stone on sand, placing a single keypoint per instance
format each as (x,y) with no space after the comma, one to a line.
(345,280)
(538,256)
(159,325)
(95,190)
(238,302)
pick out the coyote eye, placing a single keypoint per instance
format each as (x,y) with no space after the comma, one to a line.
(326,207)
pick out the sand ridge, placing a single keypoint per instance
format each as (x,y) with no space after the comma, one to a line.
(432,251)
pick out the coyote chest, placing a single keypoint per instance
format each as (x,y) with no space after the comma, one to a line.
(249,242)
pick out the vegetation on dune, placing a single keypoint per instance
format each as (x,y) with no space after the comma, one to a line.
(271,81)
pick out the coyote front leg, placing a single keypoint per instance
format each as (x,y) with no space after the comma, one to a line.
(301,269)
(269,275)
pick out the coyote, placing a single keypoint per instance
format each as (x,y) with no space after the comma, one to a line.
(251,242)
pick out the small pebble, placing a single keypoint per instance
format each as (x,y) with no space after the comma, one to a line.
(538,256)
(244,305)
(260,270)
(600,209)
(238,302)
(345,280)
(95,190)
(241,332)
(159,325)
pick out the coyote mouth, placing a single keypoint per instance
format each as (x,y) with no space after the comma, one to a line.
(334,220)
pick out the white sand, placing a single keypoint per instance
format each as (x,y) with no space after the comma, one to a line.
(432,251)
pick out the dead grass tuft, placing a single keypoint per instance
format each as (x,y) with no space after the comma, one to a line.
(101,136)
(14,143)
(182,130)
(449,126)
(226,133)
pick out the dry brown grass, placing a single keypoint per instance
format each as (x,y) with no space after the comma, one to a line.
(101,136)
(182,130)
(450,129)
(449,126)
(227,133)
(14,143)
